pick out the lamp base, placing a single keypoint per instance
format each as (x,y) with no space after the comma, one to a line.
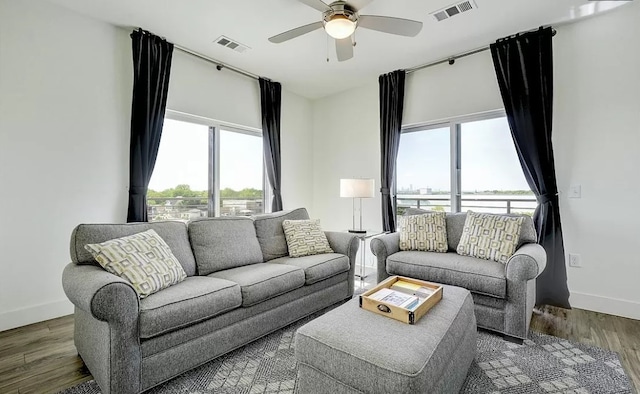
(358,231)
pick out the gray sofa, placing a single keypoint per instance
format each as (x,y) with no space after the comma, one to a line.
(504,294)
(131,344)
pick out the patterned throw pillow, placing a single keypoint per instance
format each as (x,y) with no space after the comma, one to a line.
(305,237)
(143,259)
(489,236)
(425,232)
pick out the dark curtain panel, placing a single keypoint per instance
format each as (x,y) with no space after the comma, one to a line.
(391,106)
(524,68)
(151,67)
(270,103)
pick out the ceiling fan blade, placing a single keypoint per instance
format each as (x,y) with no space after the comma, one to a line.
(344,49)
(387,24)
(317,4)
(293,33)
(359,4)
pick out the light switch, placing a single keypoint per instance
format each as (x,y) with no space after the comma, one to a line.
(575,191)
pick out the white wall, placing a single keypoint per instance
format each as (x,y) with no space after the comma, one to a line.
(64,139)
(596,143)
(597,146)
(65,99)
(345,145)
(296,142)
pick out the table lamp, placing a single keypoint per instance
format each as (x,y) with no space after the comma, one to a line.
(357,188)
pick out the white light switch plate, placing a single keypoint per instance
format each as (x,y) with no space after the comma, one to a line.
(575,191)
(574,260)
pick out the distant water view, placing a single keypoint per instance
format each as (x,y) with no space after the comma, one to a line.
(491,202)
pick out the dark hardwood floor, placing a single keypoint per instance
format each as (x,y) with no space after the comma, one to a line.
(41,358)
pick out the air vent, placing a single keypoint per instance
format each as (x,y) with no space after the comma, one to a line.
(231,44)
(454,10)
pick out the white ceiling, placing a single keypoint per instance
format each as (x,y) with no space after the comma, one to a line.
(300,64)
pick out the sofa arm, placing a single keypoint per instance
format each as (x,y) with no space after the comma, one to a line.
(103,295)
(110,350)
(526,263)
(382,247)
(348,245)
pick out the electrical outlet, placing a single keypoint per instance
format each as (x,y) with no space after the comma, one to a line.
(575,191)
(574,260)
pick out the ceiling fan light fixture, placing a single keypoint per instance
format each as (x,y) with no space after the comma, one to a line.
(339,27)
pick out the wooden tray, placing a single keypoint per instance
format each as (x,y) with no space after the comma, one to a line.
(396,312)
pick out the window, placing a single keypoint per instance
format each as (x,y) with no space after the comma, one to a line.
(460,165)
(206,170)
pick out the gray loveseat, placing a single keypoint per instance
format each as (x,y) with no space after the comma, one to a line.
(504,294)
(131,344)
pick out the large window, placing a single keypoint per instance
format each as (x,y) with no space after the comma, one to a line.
(206,170)
(460,165)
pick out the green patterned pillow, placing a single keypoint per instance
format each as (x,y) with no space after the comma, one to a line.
(143,259)
(425,232)
(490,236)
(305,238)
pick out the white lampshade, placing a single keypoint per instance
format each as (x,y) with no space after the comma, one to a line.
(357,188)
(340,27)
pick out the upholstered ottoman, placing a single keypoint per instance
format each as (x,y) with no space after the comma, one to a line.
(351,350)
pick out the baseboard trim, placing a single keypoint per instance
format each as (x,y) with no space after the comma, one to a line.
(611,306)
(34,314)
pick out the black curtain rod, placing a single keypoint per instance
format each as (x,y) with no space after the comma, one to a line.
(452,59)
(219,65)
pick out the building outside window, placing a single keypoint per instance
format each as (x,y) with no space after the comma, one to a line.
(463,164)
(205,170)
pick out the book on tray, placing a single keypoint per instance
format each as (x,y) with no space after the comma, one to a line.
(396,298)
(412,289)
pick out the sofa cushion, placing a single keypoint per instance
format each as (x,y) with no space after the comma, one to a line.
(489,236)
(270,233)
(425,232)
(195,299)
(455,224)
(223,243)
(260,282)
(173,233)
(317,267)
(477,275)
(143,259)
(305,238)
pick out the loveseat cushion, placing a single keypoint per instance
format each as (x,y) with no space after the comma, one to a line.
(490,236)
(317,267)
(192,300)
(172,232)
(260,282)
(270,233)
(223,243)
(477,275)
(455,225)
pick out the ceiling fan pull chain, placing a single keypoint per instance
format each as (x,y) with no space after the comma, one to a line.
(327,49)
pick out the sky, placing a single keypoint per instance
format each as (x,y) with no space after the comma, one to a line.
(488,158)
(183,158)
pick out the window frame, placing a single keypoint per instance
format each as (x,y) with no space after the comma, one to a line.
(455,153)
(214,128)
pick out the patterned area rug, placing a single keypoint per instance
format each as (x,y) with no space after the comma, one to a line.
(543,364)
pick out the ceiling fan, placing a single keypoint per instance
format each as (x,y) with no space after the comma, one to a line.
(340,19)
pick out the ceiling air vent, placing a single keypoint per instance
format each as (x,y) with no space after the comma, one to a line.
(454,9)
(231,44)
